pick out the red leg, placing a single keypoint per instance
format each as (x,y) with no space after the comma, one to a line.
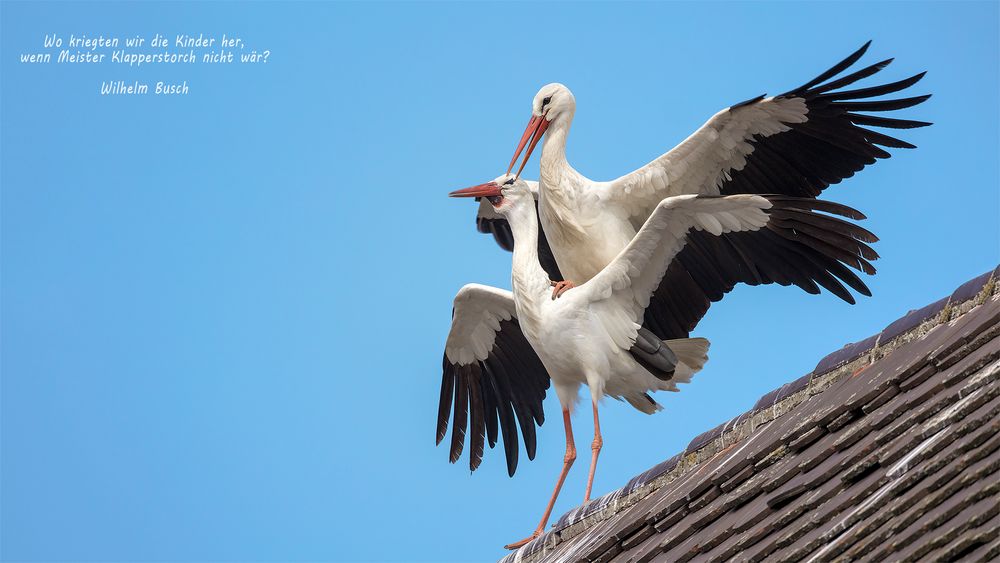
(567,463)
(595,447)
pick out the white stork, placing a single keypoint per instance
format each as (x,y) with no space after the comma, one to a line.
(504,346)
(794,144)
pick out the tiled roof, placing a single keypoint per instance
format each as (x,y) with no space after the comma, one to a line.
(888,450)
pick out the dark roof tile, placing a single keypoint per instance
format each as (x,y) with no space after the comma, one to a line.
(637,536)
(973,543)
(804,439)
(842,420)
(845,355)
(912,320)
(645,551)
(882,398)
(738,477)
(971,288)
(705,437)
(579,513)
(794,387)
(774,397)
(918,377)
(652,473)
(978,358)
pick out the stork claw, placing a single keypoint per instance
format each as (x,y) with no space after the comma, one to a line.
(523,542)
(558,288)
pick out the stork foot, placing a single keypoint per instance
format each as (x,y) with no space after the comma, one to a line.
(558,288)
(523,542)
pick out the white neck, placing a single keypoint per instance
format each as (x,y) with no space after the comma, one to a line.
(530,282)
(557,181)
(554,144)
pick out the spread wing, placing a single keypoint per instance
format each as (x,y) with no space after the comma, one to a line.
(797,143)
(488,221)
(797,247)
(720,241)
(493,381)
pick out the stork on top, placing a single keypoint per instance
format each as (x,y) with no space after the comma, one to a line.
(797,144)
(504,346)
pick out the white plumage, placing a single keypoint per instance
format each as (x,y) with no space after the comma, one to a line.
(650,251)
(476,321)
(504,347)
(584,337)
(794,144)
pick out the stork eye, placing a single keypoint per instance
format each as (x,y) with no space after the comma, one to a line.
(546,101)
(509,182)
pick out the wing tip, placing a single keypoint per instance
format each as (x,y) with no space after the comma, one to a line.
(882,64)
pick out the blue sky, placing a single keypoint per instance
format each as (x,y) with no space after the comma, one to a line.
(223,314)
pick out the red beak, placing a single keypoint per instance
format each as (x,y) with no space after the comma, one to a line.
(533,132)
(489,189)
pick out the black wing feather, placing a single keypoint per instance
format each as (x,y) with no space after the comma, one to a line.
(831,144)
(499,396)
(477,423)
(461,412)
(804,244)
(836,69)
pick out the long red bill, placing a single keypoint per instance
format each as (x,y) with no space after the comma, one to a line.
(489,189)
(533,132)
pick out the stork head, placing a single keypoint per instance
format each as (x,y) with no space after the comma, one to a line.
(506,193)
(554,102)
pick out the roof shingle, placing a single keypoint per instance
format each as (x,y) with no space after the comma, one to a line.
(889,449)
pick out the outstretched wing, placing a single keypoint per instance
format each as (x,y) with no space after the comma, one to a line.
(766,239)
(798,246)
(493,375)
(797,143)
(488,221)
